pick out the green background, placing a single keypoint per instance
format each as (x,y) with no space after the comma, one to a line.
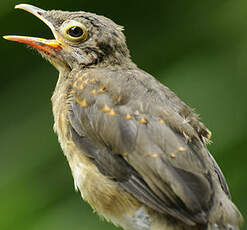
(197,48)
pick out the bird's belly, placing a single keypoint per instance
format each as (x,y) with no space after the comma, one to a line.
(103,194)
(108,199)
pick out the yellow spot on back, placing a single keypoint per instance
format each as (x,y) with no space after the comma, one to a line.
(106,109)
(93,92)
(85,81)
(172,155)
(80,79)
(181,149)
(112,113)
(82,103)
(143,121)
(162,121)
(85,75)
(73,75)
(128,117)
(124,154)
(75,84)
(155,155)
(77,74)
(101,90)
(81,87)
(92,80)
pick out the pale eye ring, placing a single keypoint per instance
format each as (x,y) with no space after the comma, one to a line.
(74,31)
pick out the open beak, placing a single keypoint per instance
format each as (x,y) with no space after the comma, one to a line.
(45,45)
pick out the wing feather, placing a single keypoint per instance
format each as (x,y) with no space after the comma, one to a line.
(163,164)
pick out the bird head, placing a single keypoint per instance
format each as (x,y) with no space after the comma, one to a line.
(80,39)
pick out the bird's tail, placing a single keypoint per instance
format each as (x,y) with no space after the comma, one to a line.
(224,214)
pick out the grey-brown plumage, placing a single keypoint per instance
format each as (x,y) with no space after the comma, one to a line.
(154,153)
(138,153)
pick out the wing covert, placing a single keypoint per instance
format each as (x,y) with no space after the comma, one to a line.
(140,147)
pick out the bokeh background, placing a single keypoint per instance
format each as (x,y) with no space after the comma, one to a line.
(197,48)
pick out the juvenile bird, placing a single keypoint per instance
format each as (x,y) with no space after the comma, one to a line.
(137,153)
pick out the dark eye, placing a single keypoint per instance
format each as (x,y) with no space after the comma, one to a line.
(75,31)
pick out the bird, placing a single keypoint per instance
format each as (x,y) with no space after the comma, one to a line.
(138,154)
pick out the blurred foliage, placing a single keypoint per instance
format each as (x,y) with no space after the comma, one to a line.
(197,48)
